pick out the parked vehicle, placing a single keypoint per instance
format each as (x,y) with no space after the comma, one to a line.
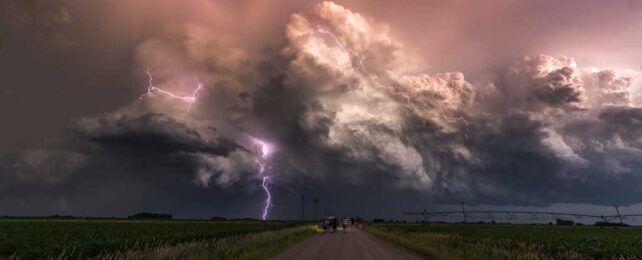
(329,224)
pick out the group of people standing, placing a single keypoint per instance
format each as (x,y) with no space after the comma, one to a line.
(330,224)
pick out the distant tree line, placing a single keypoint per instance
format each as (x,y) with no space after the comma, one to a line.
(149,215)
(380,220)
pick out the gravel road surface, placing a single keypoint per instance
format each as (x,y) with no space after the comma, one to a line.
(353,244)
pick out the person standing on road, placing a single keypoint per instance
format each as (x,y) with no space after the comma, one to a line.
(325,224)
(334,224)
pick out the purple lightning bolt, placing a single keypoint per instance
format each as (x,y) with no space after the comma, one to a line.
(187,99)
(268,200)
(264,149)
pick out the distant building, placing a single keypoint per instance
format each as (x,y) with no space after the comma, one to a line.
(147,215)
(561,222)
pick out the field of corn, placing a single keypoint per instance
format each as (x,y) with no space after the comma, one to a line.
(467,241)
(43,238)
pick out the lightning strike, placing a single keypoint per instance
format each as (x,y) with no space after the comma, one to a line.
(187,99)
(360,58)
(360,62)
(268,200)
(194,96)
(265,150)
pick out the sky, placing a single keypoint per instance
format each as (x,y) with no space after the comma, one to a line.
(196,107)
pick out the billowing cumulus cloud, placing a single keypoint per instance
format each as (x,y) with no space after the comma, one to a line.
(545,82)
(606,87)
(361,102)
(340,97)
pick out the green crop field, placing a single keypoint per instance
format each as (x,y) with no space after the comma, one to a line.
(468,241)
(43,238)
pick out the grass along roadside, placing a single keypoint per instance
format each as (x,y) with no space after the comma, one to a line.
(445,246)
(83,239)
(512,241)
(252,246)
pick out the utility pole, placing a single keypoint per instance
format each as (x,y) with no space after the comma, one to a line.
(426,217)
(618,214)
(316,203)
(463,212)
(302,207)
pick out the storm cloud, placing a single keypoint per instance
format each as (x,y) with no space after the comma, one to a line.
(340,95)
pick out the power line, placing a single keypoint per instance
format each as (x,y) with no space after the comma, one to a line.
(490,214)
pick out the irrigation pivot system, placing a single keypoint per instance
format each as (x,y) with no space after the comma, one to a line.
(517,215)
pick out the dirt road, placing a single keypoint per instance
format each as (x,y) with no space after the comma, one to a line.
(353,244)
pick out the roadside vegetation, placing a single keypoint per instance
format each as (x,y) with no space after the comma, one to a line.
(468,241)
(253,246)
(149,239)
